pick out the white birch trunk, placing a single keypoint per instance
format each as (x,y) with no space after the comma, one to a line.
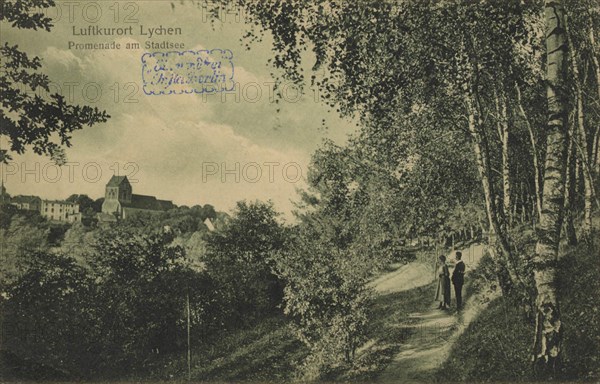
(547,345)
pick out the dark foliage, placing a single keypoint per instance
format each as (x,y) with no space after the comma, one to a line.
(40,120)
(240,259)
(111,319)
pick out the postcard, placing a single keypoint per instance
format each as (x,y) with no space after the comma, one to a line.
(282,191)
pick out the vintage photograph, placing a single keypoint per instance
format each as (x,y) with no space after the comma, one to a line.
(292,191)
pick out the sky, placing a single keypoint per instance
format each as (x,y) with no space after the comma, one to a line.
(189,148)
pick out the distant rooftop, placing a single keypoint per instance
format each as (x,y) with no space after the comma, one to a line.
(24,199)
(148,202)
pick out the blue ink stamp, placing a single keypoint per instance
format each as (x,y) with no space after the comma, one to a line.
(186,72)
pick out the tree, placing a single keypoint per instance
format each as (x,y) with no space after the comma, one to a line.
(22,237)
(97,205)
(50,314)
(142,282)
(582,61)
(326,294)
(109,310)
(26,118)
(240,258)
(84,201)
(209,211)
(547,347)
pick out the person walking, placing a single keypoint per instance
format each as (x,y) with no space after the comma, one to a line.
(458,279)
(443,291)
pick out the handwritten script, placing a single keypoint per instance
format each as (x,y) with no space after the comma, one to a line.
(185,72)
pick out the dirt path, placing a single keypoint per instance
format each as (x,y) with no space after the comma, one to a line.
(433,331)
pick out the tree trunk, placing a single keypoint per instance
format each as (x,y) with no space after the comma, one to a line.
(596,156)
(596,65)
(504,134)
(505,281)
(588,184)
(547,344)
(481,148)
(594,57)
(570,189)
(534,151)
(582,142)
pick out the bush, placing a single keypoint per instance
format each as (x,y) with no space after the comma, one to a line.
(327,297)
(112,317)
(240,260)
(49,315)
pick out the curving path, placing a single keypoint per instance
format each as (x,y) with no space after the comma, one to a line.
(433,331)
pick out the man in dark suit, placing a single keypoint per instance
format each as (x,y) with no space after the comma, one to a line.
(458,279)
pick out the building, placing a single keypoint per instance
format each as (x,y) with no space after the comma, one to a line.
(53,210)
(27,203)
(56,210)
(120,201)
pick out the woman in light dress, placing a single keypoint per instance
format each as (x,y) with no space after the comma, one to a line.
(443,290)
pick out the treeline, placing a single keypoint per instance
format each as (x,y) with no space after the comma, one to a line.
(113,301)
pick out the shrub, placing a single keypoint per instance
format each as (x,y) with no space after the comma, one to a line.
(240,260)
(327,297)
(111,317)
(49,314)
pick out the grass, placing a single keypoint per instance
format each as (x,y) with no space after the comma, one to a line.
(269,351)
(384,335)
(266,352)
(579,289)
(16,369)
(496,347)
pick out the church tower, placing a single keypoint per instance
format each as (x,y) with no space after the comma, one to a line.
(119,189)
(117,194)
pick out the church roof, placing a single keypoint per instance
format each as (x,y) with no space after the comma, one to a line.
(115,181)
(166,204)
(148,202)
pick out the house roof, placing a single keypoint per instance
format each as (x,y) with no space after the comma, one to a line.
(209,224)
(24,199)
(63,202)
(115,181)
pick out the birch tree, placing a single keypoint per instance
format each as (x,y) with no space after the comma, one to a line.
(547,346)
